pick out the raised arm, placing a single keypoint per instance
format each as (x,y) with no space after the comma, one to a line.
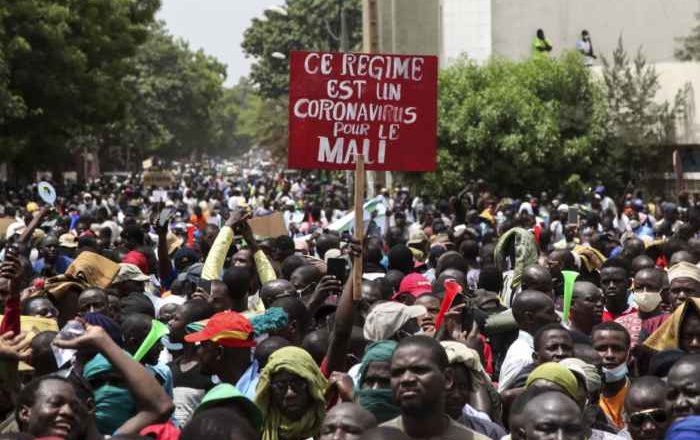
(344,318)
(214,264)
(154,404)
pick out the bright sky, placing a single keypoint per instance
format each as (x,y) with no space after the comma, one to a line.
(216,26)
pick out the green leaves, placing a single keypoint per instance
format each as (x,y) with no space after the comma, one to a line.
(307,25)
(520,126)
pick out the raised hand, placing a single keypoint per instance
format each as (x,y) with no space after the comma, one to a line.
(15,348)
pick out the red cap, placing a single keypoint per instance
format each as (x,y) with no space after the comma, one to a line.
(414,284)
(137,259)
(228,328)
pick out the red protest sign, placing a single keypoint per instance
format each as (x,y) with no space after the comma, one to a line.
(344,104)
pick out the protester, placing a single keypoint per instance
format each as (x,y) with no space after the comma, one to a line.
(419,385)
(612,342)
(219,313)
(645,409)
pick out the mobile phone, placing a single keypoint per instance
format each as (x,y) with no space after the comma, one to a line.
(165,216)
(573,215)
(336,267)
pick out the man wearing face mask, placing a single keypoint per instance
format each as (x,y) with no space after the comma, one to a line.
(646,293)
(612,342)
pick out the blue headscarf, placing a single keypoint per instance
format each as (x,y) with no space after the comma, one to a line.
(108,324)
(687,428)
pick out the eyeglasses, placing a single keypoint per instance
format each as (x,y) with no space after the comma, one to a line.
(281,386)
(656,415)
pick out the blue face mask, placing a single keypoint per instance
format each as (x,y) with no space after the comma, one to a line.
(615,374)
(172,346)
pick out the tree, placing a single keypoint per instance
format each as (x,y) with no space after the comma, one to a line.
(60,68)
(642,127)
(231,135)
(173,97)
(307,25)
(690,45)
(522,126)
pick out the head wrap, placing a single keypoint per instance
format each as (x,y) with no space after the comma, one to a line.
(458,353)
(590,257)
(687,428)
(668,335)
(684,270)
(108,325)
(525,252)
(274,318)
(113,405)
(557,374)
(588,371)
(296,361)
(379,402)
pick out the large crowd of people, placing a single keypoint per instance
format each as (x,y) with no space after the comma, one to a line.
(134,312)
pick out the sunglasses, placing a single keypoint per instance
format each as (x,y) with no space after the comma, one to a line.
(297,385)
(656,415)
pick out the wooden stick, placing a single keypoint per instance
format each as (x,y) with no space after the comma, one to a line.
(359,223)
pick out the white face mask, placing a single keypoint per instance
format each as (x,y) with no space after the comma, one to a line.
(615,374)
(646,301)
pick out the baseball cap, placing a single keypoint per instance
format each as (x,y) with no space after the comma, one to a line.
(417,237)
(230,329)
(67,241)
(386,318)
(129,272)
(415,284)
(227,393)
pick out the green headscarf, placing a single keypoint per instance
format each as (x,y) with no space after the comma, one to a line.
(113,404)
(379,402)
(525,252)
(296,361)
(557,374)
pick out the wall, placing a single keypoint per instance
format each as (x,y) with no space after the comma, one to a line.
(466,29)
(409,26)
(653,24)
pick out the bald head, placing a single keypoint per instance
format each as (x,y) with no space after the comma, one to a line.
(276,289)
(537,277)
(682,255)
(642,262)
(558,412)
(646,392)
(350,419)
(683,379)
(649,279)
(533,310)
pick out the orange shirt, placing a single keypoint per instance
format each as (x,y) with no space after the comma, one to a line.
(199,222)
(612,406)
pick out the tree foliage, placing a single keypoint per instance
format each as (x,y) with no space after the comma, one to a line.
(690,45)
(174,99)
(60,68)
(522,126)
(307,25)
(641,125)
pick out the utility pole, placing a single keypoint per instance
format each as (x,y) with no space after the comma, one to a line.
(343,46)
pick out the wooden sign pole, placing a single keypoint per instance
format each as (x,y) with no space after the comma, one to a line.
(359,223)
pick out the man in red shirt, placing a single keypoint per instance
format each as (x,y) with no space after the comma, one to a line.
(615,284)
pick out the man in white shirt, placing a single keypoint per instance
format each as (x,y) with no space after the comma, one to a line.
(532,310)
